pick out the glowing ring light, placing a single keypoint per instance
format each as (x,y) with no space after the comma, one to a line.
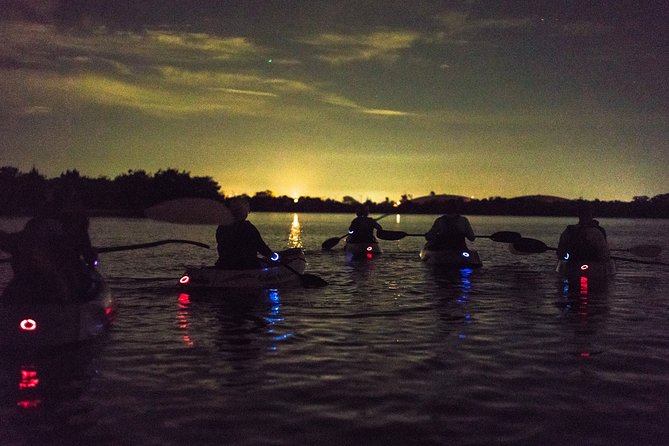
(465,254)
(584,267)
(369,248)
(28,325)
(184,280)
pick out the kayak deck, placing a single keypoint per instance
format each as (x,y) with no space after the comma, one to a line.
(34,325)
(293,264)
(448,258)
(593,270)
(361,251)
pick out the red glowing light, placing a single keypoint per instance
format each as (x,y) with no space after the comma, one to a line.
(184,298)
(369,255)
(184,280)
(28,325)
(29,404)
(29,379)
(584,289)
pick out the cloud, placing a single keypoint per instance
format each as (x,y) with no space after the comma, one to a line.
(383,46)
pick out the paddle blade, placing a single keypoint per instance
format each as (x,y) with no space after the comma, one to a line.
(194,211)
(330,243)
(505,236)
(149,245)
(643,250)
(390,235)
(312,281)
(529,246)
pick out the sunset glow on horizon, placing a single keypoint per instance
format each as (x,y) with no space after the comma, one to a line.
(372,100)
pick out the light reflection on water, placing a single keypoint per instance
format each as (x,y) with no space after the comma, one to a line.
(391,352)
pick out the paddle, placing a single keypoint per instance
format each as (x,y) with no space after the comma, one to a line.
(307,280)
(643,250)
(501,236)
(332,242)
(106,249)
(533,246)
(195,211)
(148,245)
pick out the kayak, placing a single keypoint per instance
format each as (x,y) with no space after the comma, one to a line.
(357,251)
(270,276)
(27,324)
(449,258)
(593,270)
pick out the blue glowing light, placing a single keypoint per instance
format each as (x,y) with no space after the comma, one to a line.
(566,256)
(275,257)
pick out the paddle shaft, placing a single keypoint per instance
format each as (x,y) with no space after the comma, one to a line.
(332,242)
(106,249)
(540,246)
(307,280)
(149,245)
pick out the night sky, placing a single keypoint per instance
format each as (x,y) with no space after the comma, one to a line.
(371,99)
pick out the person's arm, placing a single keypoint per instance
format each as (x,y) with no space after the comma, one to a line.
(261,246)
(467,229)
(431,235)
(562,244)
(8,242)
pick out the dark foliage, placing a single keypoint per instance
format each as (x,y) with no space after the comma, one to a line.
(130,193)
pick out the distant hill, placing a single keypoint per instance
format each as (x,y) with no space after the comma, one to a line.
(438,198)
(542,198)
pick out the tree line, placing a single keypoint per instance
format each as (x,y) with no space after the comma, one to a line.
(22,193)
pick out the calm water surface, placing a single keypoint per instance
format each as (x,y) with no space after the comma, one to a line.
(390,352)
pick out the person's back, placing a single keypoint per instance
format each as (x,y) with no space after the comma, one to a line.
(52,254)
(238,246)
(362,227)
(450,230)
(585,241)
(240,243)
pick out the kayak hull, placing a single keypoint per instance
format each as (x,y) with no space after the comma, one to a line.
(360,251)
(270,276)
(592,270)
(27,324)
(449,258)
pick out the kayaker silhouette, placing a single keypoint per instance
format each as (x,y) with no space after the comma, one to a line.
(450,230)
(362,227)
(52,255)
(239,243)
(584,241)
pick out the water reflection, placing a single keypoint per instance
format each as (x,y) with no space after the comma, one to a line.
(585,308)
(455,308)
(294,238)
(245,320)
(183,313)
(41,390)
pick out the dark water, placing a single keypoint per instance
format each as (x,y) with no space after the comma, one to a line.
(390,352)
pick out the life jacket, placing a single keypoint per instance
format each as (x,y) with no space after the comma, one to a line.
(449,235)
(581,246)
(238,246)
(362,230)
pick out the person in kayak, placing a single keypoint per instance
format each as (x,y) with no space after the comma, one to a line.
(52,256)
(240,243)
(361,229)
(450,230)
(584,241)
